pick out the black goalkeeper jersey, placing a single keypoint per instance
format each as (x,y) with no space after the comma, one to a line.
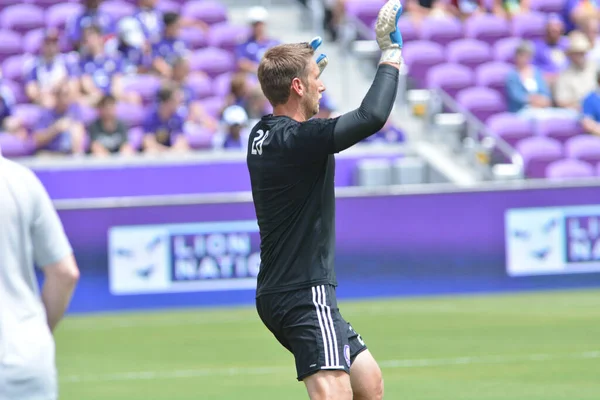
(292,168)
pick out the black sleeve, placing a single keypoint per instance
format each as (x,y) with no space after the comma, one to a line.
(94,131)
(372,114)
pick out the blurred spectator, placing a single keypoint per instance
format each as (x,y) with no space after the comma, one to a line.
(590,30)
(45,73)
(525,84)
(464,9)
(591,110)
(235,133)
(240,87)
(131,47)
(508,8)
(170,47)
(196,113)
(91,15)
(579,78)
(388,134)
(577,11)
(59,130)
(107,133)
(417,10)
(250,53)
(8,122)
(101,73)
(164,124)
(549,52)
(257,105)
(334,14)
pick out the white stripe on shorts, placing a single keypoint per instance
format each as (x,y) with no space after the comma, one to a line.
(335,343)
(321,301)
(319,317)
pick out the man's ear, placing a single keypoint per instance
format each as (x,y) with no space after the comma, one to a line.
(297,86)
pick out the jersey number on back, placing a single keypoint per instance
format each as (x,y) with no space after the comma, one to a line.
(258,141)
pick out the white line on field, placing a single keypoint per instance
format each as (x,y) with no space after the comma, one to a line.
(388,364)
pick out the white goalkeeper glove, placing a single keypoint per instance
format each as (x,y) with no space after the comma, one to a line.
(389,37)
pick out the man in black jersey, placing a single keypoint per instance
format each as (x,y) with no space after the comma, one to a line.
(291,164)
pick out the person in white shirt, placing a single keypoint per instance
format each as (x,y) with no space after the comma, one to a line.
(31,234)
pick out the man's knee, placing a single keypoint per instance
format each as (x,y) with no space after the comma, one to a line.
(329,385)
(366,378)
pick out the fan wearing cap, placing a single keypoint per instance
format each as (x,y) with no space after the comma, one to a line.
(131,47)
(45,73)
(249,54)
(464,9)
(164,124)
(235,130)
(170,47)
(579,79)
(91,15)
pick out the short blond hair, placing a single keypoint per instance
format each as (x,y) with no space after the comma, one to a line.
(280,66)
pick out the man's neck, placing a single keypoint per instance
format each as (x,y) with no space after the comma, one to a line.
(292,112)
(163,113)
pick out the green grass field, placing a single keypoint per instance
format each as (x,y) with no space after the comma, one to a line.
(511,347)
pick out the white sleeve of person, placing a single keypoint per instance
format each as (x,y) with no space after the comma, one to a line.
(322,60)
(389,37)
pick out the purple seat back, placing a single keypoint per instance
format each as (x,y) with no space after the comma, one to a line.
(199,138)
(11,44)
(510,127)
(213,106)
(212,61)
(117,9)
(29,114)
(131,114)
(168,6)
(420,56)
(409,30)
(227,36)
(32,41)
(450,78)
(13,68)
(22,17)
(13,147)
(209,11)
(538,152)
(88,114)
(58,14)
(493,75)
(561,129)
(487,28)
(547,6)
(531,26)
(202,87)
(17,90)
(469,52)
(441,30)
(365,11)
(135,137)
(504,49)
(584,148)
(193,38)
(145,85)
(569,169)
(481,102)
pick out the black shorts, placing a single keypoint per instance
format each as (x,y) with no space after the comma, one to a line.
(308,323)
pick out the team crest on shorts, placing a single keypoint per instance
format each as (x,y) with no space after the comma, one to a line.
(347,354)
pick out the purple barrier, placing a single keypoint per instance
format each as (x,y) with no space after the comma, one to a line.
(421,244)
(108,180)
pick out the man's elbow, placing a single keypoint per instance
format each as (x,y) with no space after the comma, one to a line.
(378,118)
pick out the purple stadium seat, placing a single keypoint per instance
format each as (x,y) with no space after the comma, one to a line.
(88,114)
(409,30)
(538,152)
(584,148)
(221,85)
(168,6)
(58,14)
(510,127)
(135,137)
(364,10)
(530,26)
(46,4)
(451,78)
(212,61)
(145,85)
(117,9)
(200,138)
(569,169)
(227,36)
(28,113)
(4,3)
(22,18)
(14,67)
(547,6)
(420,56)
(213,106)
(504,49)
(194,38)
(32,41)
(11,44)
(441,30)
(493,75)
(561,129)
(17,90)
(209,11)
(481,102)
(13,147)
(132,115)
(202,86)
(487,28)
(469,52)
